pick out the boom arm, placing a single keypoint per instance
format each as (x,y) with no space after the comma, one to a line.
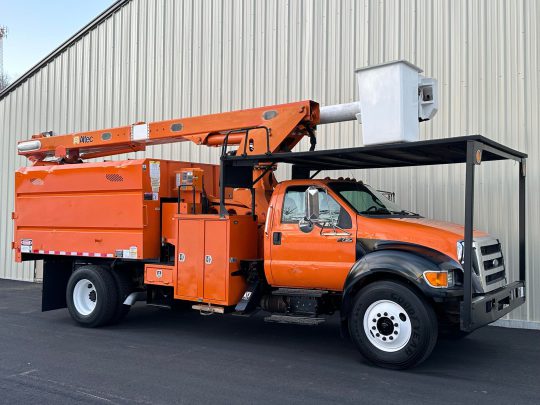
(255,131)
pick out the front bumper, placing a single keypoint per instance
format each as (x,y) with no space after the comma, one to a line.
(489,307)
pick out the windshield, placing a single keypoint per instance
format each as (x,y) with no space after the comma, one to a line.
(367,201)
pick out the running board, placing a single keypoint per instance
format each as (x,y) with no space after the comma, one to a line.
(299,292)
(297,320)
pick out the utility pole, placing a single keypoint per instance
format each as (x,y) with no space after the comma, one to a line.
(3,34)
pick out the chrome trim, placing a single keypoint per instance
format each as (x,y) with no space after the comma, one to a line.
(481,272)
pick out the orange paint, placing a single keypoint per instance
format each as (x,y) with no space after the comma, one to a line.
(311,260)
(209,251)
(285,123)
(96,208)
(159,275)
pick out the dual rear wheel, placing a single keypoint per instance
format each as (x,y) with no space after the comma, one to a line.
(95,295)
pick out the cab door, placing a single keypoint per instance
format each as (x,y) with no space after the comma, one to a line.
(320,258)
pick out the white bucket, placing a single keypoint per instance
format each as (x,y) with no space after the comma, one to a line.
(389,102)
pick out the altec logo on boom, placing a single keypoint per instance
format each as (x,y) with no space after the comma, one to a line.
(82,139)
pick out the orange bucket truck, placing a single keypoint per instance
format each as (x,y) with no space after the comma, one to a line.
(230,238)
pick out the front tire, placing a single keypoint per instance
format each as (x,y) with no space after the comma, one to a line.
(392,326)
(91,296)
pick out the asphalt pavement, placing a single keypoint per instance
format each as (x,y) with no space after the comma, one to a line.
(158,356)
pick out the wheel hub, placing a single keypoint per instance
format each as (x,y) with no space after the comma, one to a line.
(387,325)
(85,297)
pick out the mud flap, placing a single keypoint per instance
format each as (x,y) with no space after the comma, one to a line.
(56,274)
(250,299)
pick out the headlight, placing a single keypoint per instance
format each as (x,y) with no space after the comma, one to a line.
(460,251)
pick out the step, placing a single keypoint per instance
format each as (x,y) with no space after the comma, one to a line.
(299,292)
(297,320)
(206,309)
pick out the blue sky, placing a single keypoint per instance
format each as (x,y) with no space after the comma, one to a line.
(37,27)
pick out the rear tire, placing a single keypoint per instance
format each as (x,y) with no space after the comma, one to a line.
(392,326)
(91,296)
(124,287)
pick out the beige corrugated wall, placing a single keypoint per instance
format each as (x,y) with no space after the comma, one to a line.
(159,59)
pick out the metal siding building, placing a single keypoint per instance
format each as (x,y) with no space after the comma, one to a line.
(145,60)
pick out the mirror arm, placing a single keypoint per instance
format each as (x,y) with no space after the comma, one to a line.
(344,232)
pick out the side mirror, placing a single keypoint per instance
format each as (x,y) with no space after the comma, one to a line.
(305,225)
(312,203)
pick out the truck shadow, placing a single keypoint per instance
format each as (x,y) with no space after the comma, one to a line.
(318,342)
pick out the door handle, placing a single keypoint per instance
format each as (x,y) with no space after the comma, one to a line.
(276,238)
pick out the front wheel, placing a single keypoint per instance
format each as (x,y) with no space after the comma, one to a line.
(392,326)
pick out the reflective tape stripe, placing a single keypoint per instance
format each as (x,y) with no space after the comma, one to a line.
(64,253)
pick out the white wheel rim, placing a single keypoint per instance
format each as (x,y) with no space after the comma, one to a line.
(387,326)
(84,297)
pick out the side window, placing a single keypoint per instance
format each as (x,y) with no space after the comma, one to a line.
(293,205)
(330,211)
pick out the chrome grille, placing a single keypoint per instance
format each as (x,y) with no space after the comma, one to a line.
(489,263)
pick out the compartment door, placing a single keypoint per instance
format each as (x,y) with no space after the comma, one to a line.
(216,260)
(190,259)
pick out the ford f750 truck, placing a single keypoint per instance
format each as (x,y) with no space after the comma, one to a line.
(230,238)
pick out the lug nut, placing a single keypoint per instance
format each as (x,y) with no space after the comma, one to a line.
(384,338)
(377,335)
(392,318)
(395,332)
(386,314)
(391,338)
(379,315)
(373,327)
(396,325)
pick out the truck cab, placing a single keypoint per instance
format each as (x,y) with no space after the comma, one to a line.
(352,221)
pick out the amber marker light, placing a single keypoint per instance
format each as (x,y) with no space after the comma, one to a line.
(436,279)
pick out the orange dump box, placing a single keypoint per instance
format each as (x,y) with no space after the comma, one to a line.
(106,209)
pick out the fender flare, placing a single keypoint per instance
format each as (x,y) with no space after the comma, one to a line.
(406,262)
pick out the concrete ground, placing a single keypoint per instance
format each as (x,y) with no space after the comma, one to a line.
(159,356)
